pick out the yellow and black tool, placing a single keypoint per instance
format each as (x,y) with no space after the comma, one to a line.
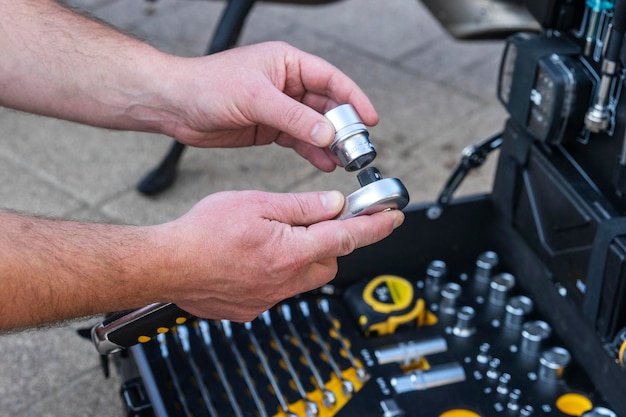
(125,329)
(385,302)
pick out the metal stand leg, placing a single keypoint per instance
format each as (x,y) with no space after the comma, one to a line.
(225,36)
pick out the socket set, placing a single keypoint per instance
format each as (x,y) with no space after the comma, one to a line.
(460,336)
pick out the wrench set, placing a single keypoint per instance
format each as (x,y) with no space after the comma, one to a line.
(293,360)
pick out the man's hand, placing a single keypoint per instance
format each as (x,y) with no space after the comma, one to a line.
(261,94)
(59,63)
(232,256)
(239,253)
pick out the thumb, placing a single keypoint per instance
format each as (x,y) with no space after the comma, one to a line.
(304,209)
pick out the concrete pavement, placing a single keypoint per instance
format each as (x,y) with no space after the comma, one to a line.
(434,95)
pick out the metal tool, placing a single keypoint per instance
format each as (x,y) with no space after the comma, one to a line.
(436,376)
(534,334)
(465,325)
(517,309)
(351,144)
(436,274)
(376,194)
(347,387)
(328,398)
(165,354)
(553,363)
(472,157)
(311,408)
(382,304)
(182,336)
(598,117)
(595,9)
(228,332)
(268,370)
(361,374)
(500,287)
(125,329)
(205,333)
(406,353)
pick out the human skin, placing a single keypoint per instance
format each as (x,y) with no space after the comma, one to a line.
(234,254)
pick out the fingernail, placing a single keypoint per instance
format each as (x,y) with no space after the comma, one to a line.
(322,134)
(397,222)
(331,200)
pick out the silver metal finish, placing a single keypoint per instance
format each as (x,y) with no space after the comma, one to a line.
(500,286)
(311,408)
(361,374)
(268,370)
(347,387)
(406,353)
(517,309)
(328,397)
(165,354)
(182,336)
(100,332)
(503,384)
(494,369)
(205,334)
(435,275)
(465,326)
(514,396)
(384,194)
(600,412)
(483,356)
(449,296)
(552,363)
(436,376)
(243,368)
(486,264)
(351,144)
(533,335)
(390,408)
(598,117)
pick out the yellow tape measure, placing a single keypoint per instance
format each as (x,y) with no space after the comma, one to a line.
(383,303)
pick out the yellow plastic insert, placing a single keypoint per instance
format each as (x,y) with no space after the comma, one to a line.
(459,413)
(622,350)
(573,404)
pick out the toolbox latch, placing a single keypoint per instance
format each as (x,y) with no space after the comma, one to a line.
(136,399)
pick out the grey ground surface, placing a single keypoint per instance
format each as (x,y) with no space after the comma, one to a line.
(435,95)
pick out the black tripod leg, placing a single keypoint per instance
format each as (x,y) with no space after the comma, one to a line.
(164,174)
(225,36)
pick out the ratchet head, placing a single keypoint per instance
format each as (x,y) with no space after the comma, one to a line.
(376,194)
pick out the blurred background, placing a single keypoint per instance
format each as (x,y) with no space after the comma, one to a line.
(434,94)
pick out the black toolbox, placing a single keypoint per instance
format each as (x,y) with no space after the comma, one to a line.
(516,300)
(508,369)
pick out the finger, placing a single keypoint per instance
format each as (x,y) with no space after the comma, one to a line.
(293,118)
(321,158)
(303,209)
(341,237)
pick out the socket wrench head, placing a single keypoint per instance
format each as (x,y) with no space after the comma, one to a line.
(351,144)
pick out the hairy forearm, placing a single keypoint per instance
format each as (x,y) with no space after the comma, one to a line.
(60,63)
(52,270)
